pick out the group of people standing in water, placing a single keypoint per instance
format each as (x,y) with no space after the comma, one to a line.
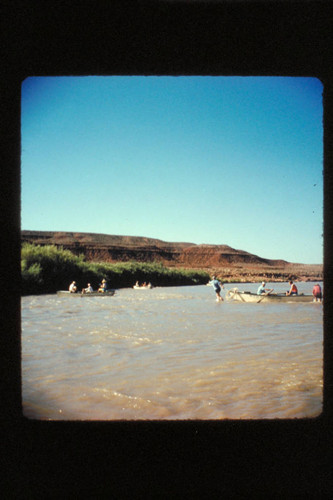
(103,287)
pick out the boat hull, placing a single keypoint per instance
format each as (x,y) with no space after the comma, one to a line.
(142,287)
(250,297)
(65,293)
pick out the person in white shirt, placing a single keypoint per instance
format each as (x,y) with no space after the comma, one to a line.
(73,287)
(262,290)
(89,289)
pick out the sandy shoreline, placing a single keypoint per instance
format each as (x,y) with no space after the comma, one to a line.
(255,273)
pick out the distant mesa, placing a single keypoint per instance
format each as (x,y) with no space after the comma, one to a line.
(114,248)
(218,258)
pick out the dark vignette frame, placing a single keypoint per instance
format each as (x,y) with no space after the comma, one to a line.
(149,458)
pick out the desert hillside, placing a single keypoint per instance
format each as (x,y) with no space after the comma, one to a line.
(228,263)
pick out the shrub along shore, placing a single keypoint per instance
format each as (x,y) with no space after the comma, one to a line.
(46,269)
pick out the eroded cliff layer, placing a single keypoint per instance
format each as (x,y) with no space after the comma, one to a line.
(113,248)
(232,263)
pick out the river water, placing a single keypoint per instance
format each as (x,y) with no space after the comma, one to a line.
(171,353)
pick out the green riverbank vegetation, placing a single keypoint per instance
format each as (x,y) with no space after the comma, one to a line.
(46,269)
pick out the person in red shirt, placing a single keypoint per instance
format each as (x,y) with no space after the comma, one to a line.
(316,292)
(293,289)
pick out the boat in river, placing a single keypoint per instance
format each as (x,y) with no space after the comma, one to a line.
(141,287)
(243,296)
(66,293)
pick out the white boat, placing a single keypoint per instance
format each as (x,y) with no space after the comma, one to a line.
(66,293)
(138,287)
(242,296)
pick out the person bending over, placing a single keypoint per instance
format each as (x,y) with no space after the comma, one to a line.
(317,294)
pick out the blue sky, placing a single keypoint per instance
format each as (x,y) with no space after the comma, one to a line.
(219,160)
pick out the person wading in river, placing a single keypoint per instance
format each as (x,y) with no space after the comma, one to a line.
(217,287)
(316,292)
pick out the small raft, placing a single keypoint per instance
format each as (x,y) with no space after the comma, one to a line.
(242,296)
(148,287)
(66,293)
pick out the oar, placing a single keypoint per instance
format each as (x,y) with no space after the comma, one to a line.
(265,295)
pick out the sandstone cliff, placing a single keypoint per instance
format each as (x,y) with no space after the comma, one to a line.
(228,262)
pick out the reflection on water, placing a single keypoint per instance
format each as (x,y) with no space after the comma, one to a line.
(170,353)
